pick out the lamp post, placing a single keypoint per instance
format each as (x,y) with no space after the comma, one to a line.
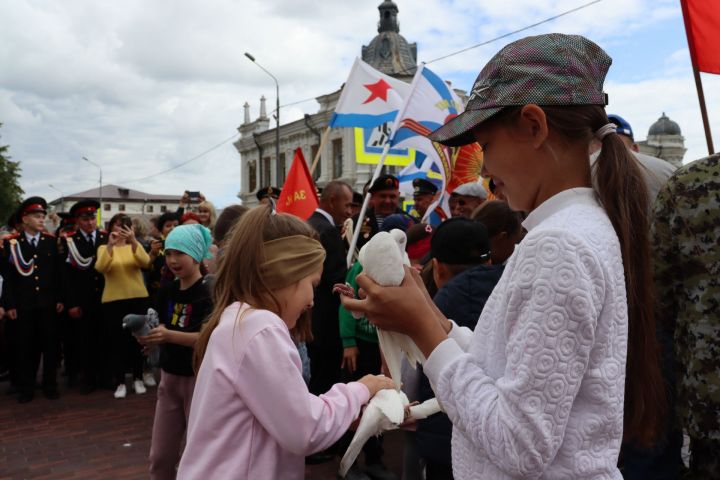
(62,197)
(277,116)
(100,222)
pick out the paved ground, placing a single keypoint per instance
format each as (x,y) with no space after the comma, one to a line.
(97,437)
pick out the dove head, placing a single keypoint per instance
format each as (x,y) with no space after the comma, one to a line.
(382,260)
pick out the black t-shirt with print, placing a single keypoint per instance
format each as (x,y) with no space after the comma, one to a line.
(183,311)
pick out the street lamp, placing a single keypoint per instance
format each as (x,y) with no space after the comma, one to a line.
(277,116)
(62,197)
(100,222)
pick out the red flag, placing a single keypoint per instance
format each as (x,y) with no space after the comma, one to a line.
(298,195)
(702,24)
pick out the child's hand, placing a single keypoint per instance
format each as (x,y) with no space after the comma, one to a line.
(375,383)
(157,335)
(349,361)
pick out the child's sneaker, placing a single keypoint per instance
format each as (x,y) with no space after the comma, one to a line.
(121,391)
(149,379)
(139,387)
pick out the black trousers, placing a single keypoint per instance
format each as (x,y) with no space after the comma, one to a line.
(324,367)
(36,332)
(88,348)
(125,351)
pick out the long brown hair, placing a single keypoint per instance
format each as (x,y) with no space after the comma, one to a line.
(239,275)
(622,191)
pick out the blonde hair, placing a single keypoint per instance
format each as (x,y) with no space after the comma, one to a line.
(239,275)
(213,214)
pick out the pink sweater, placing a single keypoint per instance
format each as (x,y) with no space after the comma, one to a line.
(252,415)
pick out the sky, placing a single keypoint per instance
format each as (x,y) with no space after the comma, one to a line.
(140,86)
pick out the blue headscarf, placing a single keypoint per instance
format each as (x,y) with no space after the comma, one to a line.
(194,240)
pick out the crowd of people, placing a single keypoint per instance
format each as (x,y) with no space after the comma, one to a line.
(568,316)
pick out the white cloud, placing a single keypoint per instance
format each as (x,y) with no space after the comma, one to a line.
(141,86)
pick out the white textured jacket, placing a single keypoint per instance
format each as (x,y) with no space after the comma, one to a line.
(536,391)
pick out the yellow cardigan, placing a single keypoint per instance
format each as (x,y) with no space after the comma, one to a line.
(123,278)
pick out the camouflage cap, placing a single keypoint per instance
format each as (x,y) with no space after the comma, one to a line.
(552,69)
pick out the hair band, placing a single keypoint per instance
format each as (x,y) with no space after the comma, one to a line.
(605,130)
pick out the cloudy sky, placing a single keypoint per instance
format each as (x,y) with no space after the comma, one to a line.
(140,86)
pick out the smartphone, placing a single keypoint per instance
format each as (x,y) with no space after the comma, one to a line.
(126,222)
(194,196)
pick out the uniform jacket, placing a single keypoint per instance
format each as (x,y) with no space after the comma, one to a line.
(42,287)
(84,285)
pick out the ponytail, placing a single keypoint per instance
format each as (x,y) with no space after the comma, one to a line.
(623,193)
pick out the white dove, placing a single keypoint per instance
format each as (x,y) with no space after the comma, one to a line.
(382,259)
(386,411)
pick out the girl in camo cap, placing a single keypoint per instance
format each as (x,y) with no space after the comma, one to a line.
(538,389)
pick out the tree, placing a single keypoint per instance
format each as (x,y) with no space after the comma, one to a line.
(10,191)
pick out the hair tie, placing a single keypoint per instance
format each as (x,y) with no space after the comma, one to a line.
(605,130)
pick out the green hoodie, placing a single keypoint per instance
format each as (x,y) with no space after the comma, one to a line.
(352,328)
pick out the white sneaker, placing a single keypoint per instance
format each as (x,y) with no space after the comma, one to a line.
(149,379)
(139,387)
(121,391)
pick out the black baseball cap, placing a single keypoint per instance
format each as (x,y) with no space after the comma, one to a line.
(460,241)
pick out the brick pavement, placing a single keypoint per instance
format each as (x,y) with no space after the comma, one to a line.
(97,437)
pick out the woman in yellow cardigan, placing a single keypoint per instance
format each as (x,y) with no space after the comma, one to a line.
(121,262)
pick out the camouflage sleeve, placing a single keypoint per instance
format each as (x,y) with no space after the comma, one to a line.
(665,259)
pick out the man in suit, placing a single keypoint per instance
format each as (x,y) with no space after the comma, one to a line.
(384,198)
(84,290)
(325,350)
(32,299)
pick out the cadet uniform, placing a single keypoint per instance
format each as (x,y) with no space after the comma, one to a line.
(33,290)
(686,242)
(84,292)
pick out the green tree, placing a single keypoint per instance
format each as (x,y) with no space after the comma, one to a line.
(10,191)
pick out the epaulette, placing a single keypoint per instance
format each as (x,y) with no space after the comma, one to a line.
(102,232)
(11,236)
(47,234)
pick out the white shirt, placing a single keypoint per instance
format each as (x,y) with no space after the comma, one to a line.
(536,391)
(90,237)
(31,237)
(326,215)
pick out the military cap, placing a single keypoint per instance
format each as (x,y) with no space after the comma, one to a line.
(84,208)
(424,187)
(357,198)
(385,182)
(32,205)
(273,192)
(550,69)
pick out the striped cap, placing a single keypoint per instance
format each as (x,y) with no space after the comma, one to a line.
(552,69)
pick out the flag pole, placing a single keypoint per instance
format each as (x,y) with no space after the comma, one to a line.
(323,141)
(698,80)
(381,163)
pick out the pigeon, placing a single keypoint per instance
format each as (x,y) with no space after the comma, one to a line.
(386,411)
(382,259)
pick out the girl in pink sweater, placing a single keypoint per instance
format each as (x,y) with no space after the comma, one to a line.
(252,415)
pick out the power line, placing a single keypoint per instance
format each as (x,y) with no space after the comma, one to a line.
(214,147)
(457,52)
(508,34)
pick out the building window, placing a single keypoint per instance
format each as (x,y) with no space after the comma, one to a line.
(150,209)
(106,207)
(266,178)
(121,207)
(252,176)
(318,167)
(282,170)
(163,208)
(337,158)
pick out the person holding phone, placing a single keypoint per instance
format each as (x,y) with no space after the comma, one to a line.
(120,262)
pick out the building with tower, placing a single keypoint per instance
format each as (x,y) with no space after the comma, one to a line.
(388,52)
(665,140)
